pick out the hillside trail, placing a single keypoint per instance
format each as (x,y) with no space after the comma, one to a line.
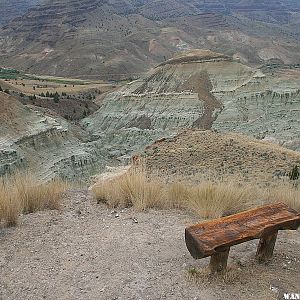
(88,251)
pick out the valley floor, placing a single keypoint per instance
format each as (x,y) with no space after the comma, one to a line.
(86,251)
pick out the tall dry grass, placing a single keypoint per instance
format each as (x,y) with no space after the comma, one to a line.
(133,189)
(208,199)
(9,206)
(23,193)
(285,192)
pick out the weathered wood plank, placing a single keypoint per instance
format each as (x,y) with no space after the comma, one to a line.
(204,239)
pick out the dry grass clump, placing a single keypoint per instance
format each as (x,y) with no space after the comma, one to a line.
(9,206)
(22,193)
(132,189)
(285,192)
(215,199)
(231,275)
(208,199)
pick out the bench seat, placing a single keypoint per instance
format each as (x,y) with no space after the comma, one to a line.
(214,238)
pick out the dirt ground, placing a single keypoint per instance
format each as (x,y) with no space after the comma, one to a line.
(86,251)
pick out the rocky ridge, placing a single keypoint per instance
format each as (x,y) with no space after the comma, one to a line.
(66,37)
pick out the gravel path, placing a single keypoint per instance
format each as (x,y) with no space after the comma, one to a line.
(86,252)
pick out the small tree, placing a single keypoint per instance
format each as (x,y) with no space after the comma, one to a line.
(56,97)
(294,174)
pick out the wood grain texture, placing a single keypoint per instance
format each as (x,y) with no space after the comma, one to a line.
(218,261)
(266,247)
(209,237)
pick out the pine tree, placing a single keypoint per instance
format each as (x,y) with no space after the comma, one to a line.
(56,98)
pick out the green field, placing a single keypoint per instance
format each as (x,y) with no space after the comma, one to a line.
(12,74)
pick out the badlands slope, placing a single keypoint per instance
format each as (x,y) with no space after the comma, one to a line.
(203,90)
(11,9)
(122,39)
(42,142)
(195,90)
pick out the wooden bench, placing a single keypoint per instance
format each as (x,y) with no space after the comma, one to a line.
(214,238)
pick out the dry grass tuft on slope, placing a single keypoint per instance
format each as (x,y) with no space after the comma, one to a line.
(208,199)
(22,193)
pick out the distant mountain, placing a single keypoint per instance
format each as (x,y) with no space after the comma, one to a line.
(114,39)
(11,9)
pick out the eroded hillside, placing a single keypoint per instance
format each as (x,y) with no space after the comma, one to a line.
(171,97)
(11,9)
(117,39)
(42,142)
(199,89)
(266,106)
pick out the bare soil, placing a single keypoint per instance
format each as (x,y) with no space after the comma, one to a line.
(86,251)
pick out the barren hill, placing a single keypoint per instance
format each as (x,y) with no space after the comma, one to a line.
(117,39)
(196,154)
(11,9)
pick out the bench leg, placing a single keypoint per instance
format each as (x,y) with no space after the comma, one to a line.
(265,247)
(218,261)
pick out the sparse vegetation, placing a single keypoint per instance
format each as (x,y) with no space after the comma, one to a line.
(22,193)
(230,276)
(208,199)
